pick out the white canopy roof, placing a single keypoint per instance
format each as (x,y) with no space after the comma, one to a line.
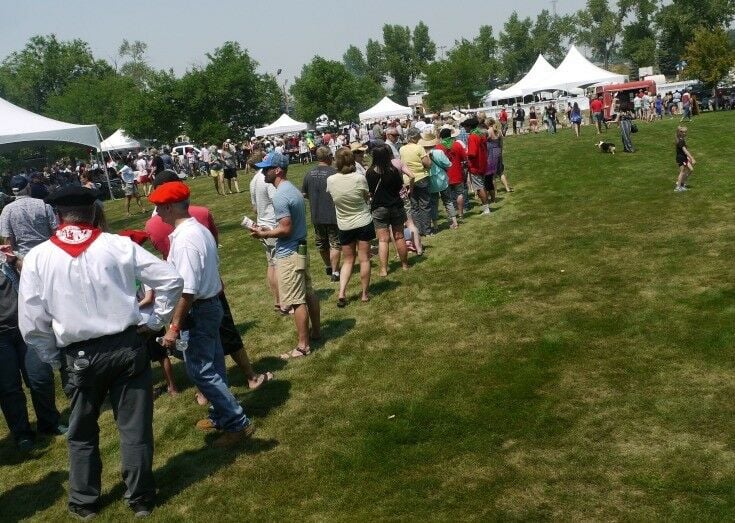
(19,126)
(536,76)
(119,141)
(284,124)
(574,71)
(385,108)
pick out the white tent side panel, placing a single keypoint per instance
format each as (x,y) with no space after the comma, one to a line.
(19,126)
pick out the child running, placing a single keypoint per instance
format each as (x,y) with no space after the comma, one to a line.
(684,159)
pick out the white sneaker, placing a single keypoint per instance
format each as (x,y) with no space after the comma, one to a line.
(486,212)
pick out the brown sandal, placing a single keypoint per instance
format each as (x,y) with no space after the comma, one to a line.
(298,352)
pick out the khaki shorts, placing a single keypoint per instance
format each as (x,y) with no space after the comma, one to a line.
(294,280)
(326,236)
(269,244)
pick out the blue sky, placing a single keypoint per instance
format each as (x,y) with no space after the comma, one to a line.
(285,34)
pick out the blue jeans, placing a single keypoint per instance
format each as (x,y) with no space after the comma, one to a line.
(205,365)
(16,362)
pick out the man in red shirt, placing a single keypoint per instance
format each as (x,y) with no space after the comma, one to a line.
(477,160)
(158,232)
(455,151)
(596,109)
(503,118)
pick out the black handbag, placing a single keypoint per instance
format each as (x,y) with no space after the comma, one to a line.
(633,128)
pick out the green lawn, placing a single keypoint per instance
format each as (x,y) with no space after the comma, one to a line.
(568,357)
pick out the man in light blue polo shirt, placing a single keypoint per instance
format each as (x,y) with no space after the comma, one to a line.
(292,260)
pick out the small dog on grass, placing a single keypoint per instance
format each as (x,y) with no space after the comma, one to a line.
(606,147)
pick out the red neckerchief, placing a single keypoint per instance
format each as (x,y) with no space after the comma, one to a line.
(76,238)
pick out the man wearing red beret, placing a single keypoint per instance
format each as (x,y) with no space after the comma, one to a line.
(193,252)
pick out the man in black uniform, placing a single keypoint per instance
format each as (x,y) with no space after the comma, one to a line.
(77,295)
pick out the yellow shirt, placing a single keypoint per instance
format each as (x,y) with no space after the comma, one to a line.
(411,155)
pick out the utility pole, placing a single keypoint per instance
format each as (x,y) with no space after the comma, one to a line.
(441,48)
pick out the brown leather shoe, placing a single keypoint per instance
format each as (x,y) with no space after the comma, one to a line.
(230,439)
(206,425)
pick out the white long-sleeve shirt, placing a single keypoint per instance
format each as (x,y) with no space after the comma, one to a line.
(64,300)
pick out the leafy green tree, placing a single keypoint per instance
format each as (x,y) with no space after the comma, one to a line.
(225,98)
(326,86)
(516,48)
(599,26)
(399,56)
(156,114)
(93,100)
(424,49)
(135,66)
(44,67)
(487,49)
(355,62)
(550,34)
(459,80)
(709,56)
(678,20)
(375,61)
(639,36)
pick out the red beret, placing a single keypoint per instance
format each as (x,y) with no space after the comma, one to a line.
(172,192)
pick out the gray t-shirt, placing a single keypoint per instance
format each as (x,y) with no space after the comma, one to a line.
(261,196)
(29,221)
(320,201)
(288,202)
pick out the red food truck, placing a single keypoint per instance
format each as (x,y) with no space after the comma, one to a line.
(625,92)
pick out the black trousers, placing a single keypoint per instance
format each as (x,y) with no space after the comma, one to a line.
(119,366)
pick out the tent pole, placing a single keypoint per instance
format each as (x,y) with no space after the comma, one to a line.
(107,176)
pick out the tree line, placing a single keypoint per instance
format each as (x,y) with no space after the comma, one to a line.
(227,96)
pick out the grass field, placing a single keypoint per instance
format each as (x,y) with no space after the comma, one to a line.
(569,357)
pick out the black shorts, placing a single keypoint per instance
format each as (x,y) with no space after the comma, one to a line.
(490,183)
(230,172)
(228,333)
(361,234)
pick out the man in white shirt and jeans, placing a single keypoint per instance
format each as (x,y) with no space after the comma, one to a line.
(77,296)
(193,252)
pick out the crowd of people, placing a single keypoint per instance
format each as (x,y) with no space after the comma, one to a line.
(99,308)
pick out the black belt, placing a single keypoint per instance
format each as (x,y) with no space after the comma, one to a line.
(102,341)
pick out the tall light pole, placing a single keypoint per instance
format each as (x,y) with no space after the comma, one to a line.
(283,89)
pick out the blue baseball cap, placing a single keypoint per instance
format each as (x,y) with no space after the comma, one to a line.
(274,160)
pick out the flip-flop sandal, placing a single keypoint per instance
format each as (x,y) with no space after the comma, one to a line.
(342,303)
(366,300)
(295,353)
(266,377)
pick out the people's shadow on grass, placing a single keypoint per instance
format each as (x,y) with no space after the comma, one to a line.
(324,293)
(11,456)
(27,499)
(332,330)
(245,326)
(191,467)
(267,397)
(384,285)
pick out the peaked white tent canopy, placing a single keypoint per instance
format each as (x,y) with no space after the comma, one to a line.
(536,76)
(119,141)
(575,71)
(385,108)
(19,127)
(284,124)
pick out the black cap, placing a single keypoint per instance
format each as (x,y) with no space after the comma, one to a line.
(72,196)
(165,176)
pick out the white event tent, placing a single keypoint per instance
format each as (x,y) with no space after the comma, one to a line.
(119,141)
(385,108)
(536,76)
(284,124)
(19,127)
(574,71)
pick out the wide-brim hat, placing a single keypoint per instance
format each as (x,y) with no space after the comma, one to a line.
(357,146)
(428,140)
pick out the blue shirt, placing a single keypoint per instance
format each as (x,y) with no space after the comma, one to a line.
(288,202)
